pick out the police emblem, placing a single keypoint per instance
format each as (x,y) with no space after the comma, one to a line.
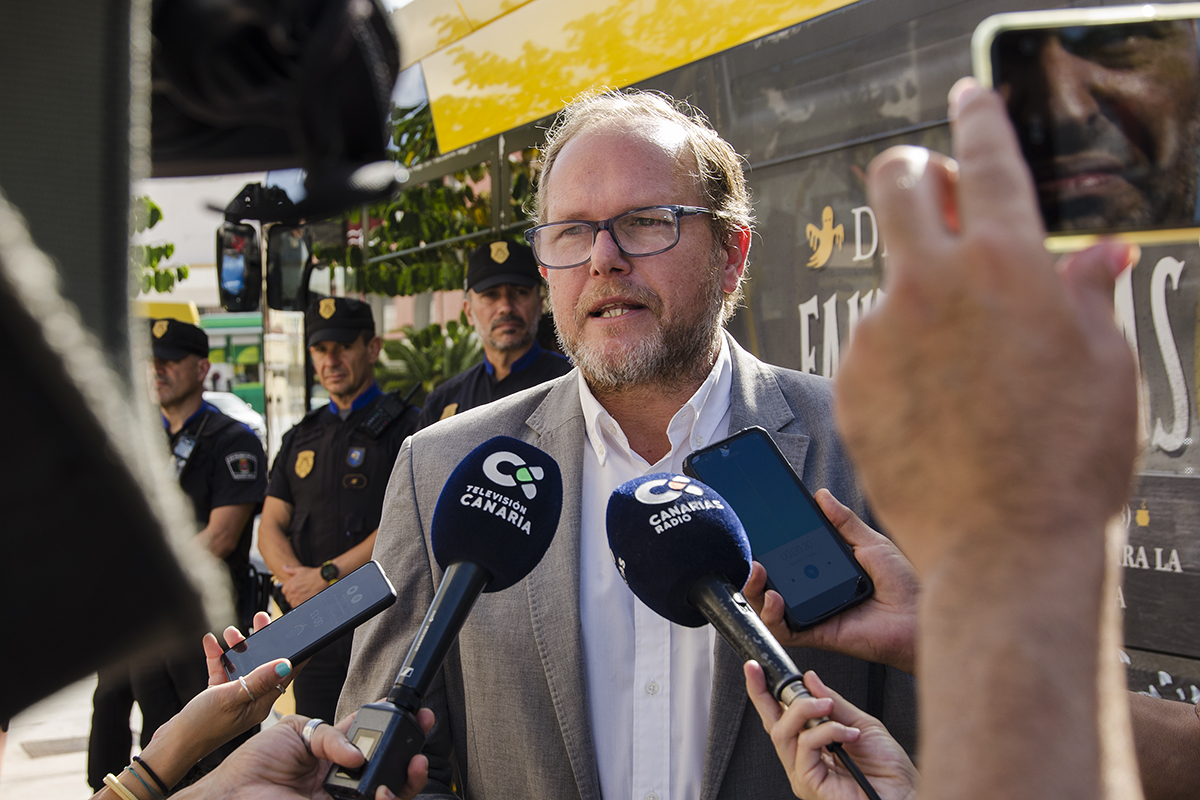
(160,328)
(499,252)
(304,463)
(356,455)
(354,481)
(326,308)
(242,466)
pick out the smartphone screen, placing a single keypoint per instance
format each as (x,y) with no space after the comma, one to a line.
(1106,107)
(314,623)
(806,560)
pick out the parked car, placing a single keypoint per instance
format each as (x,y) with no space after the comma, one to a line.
(231,405)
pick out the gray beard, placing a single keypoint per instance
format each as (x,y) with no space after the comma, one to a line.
(676,355)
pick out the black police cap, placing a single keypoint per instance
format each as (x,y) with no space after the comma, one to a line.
(500,262)
(173,339)
(337,319)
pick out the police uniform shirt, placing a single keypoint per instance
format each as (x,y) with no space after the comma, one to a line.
(478,386)
(334,475)
(227,467)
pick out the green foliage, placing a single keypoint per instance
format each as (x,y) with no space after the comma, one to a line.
(145,260)
(428,357)
(453,206)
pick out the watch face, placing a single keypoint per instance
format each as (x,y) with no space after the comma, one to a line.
(329,572)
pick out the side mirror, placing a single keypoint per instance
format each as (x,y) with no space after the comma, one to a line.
(239,267)
(289,251)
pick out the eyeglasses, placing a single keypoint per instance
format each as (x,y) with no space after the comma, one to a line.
(640,232)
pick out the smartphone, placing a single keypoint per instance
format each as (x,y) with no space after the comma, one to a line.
(807,562)
(316,622)
(1106,106)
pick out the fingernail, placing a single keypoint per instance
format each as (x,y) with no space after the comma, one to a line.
(387,793)
(962,91)
(283,669)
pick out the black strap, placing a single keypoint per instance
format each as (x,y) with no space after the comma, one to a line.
(182,464)
(388,411)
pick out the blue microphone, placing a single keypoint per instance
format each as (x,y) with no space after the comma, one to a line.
(493,522)
(684,553)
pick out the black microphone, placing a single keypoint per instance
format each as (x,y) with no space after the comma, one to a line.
(684,553)
(493,522)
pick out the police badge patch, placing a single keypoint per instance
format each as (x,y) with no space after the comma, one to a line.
(499,252)
(356,455)
(242,466)
(304,463)
(327,308)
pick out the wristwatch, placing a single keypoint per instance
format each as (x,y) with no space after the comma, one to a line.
(330,571)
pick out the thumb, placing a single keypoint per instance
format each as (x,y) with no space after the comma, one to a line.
(264,678)
(1089,278)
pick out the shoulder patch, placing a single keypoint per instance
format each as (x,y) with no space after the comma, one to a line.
(242,466)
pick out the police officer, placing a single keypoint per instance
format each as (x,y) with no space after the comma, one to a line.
(327,483)
(220,465)
(504,303)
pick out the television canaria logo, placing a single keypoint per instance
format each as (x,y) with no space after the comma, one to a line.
(524,476)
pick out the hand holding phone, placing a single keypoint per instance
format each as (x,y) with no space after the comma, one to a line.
(807,563)
(1106,106)
(883,628)
(316,622)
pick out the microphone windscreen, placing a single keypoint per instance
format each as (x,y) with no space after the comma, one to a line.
(499,509)
(667,531)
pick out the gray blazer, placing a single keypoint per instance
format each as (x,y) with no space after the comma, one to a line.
(511,700)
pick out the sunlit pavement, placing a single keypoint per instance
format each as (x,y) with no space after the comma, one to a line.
(45,756)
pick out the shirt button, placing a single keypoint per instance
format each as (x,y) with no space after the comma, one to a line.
(652,796)
(698,441)
(652,688)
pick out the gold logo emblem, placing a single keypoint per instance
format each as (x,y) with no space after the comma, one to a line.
(822,239)
(160,328)
(499,252)
(326,308)
(449,411)
(304,463)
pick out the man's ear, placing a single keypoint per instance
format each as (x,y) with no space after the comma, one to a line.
(202,368)
(737,254)
(467,308)
(374,347)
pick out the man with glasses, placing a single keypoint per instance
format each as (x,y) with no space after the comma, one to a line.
(565,685)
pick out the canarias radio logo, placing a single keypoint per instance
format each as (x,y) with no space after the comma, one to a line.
(649,493)
(524,475)
(662,491)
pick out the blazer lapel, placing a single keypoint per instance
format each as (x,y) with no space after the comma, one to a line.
(556,426)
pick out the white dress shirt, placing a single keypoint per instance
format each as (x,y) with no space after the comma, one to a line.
(649,681)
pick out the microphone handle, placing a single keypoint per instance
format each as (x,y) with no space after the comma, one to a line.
(460,587)
(724,606)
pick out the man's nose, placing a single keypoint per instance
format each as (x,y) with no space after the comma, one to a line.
(606,256)
(1070,85)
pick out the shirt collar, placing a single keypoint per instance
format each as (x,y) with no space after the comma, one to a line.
(521,363)
(204,406)
(692,426)
(360,401)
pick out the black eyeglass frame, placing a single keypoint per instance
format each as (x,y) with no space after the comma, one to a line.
(607,225)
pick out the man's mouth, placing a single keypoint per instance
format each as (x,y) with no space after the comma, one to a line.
(613,310)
